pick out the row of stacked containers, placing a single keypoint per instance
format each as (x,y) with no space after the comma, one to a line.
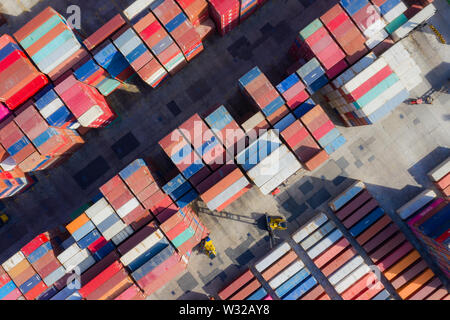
(385,244)
(427,216)
(353,277)
(336,45)
(159,40)
(126,244)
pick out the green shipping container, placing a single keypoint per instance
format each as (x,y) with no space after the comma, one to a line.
(183,237)
(376,91)
(397,23)
(306,32)
(42,30)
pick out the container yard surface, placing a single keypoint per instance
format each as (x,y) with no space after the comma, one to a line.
(392,156)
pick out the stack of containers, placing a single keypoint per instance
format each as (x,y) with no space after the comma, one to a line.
(339,261)
(287,275)
(417,13)
(151,259)
(52,143)
(184,230)
(49,41)
(390,10)
(223,187)
(247,8)
(245,287)
(226,130)
(108,57)
(225,13)
(205,144)
(8,290)
(184,156)
(313,75)
(90,73)
(383,241)
(306,149)
(24,277)
(323,130)
(160,43)
(107,221)
(293,91)
(430,225)
(268,162)
(370,94)
(404,66)
(195,10)
(53,110)
(139,57)
(441,177)
(125,203)
(179,27)
(347,35)
(314,40)
(145,187)
(205,29)
(255,126)
(22,152)
(255,85)
(86,103)
(368,19)
(180,191)
(108,284)
(13,182)
(19,79)
(41,253)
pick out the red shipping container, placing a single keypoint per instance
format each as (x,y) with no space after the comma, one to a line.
(31,246)
(331,252)
(101,278)
(360,213)
(36,291)
(104,32)
(380,238)
(229,290)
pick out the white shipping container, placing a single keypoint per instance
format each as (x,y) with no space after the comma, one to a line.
(76,260)
(103,215)
(416,203)
(345,270)
(272,257)
(124,38)
(141,248)
(292,166)
(64,52)
(8,164)
(327,242)
(96,208)
(251,123)
(136,7)
(318,235)
(49,109)
(13,261)
(90,116)
(128,207)
(269,166)
(310,227)
(156,76)
(425,14)
(381,100)
(363,76)
(130,45)
(115,229)
(395,12)
(54,276)
(349,280)
(228,193)
(286,274)
(374,28)
(440,171)
(71,251)
(376,39)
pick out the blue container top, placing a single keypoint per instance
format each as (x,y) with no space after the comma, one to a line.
(45,96)
(288,83)
(388,6)
(86,70)
(249,76)
(187,199)
(155,4)
(304,108)
(353,6)
(285,122)
(273,106)
(39,252)
(367,221)
(8,49)
(176,22)
(132,168)
(173,184)
(219,119)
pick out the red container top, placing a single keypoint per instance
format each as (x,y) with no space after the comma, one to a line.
(30,121)
(104,32)
(35,23)
(31,246)
(101,278)
(112,184)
